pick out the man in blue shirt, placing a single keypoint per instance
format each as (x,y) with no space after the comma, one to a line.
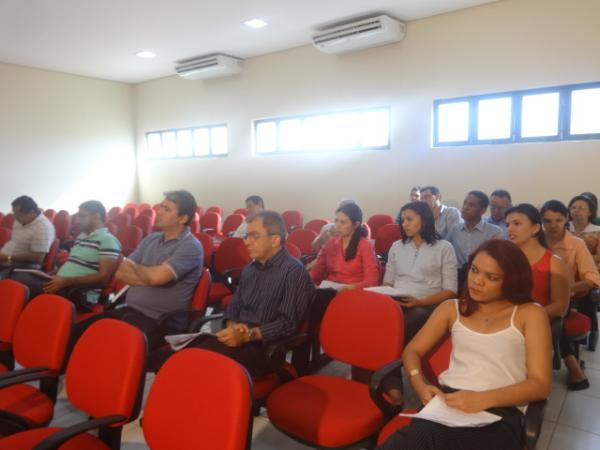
(500,202)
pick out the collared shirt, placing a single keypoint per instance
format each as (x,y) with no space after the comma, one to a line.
(35,237)
(85,255)
(184,256)
(448,218)
(591,236)
(362,270)
(578,259)
(423,271)
(500,224)
(466,241)
(275,296)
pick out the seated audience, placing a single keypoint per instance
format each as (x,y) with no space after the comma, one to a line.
(421,266)
(470,234)
(347,258)
(445,216)
(583,276)
(592,196)
(31,238)
(163,271)
(254,204)
(500,357)
(327,231)
(415,194)
(582,212)
(500,202)
(270,303)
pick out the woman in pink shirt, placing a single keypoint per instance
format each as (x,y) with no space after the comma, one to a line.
(347,258)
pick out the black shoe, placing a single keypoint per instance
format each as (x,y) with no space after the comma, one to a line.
(578,385)
(592,341)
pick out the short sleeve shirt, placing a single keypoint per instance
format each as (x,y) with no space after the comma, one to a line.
(35,237)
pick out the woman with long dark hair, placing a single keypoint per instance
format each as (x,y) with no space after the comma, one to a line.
(500,357)
(582,213)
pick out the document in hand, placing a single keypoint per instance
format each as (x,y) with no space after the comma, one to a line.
(326,284)
(386,290)
(37,273)
(179,341)
(437,411)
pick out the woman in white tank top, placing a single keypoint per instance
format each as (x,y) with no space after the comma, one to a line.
(501,355)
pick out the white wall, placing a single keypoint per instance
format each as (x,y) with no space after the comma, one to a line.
(65,139)
(512,44)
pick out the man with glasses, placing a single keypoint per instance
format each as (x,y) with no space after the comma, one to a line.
(500,202)
(270,303)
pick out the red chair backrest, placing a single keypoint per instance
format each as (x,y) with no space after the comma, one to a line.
(130,237)
(132,211)
(7,221)
(50,214)
(368,229)
(113,212)
(4,235)
(386,236)
(231,254)
(148,212)
(201,292)
(242,211)
(145,223)
(106,369)
(231,223)
(130,205)
(156,207)
(380,320)
(62,225)
(293,250)
(50,259)
(144,207)
(437,360)
(210,223)
(376,221)
(215,209)
(303,238)
(207,245)
(316,225)
(200,212)
(195,224)
(112,227)
(199,399)
(292,219)
(13,296)
(43,331)
(122,220)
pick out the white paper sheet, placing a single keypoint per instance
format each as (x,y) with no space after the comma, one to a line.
(386,290)
(179,341)
(326,284)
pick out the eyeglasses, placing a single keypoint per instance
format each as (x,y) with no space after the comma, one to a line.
(579,208)
(255,236)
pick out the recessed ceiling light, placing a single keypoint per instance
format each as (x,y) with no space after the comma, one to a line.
(145,54)
(255,23)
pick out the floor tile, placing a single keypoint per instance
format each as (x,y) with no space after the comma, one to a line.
(545,435)
(555,403)
(581,411)
(566,438)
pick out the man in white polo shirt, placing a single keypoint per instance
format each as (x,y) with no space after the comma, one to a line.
(31,237)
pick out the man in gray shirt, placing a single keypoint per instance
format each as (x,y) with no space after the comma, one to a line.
(500,202)
(445,216)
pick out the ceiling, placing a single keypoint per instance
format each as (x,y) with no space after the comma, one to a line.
(99,39)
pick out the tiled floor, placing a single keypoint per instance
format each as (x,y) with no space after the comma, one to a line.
(571,422)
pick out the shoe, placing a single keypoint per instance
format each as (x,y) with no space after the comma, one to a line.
(592,341)
(578,385)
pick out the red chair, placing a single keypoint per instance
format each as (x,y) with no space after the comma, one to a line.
(376,221)
(195,224)
(385,237)
(210,223)
(242,211)
(316,225)
(293,250)
(148,212)
(292,219)
(4,235)
(50,259)
(104,379)
(113,228)
(13,296)
(577,327)
(229,260)
(1,216)
(303,238)
(199,399)
(113,212)
(40,346)
(50,214)
(207,245)
(145,223)
(144,207)
(7,221)
(122,220)
(368,230)
(215,209)
(130,205)
(131,211)
(231,223)
(328,411)
(156,206)
(62,225)
(130,237)
(200,211)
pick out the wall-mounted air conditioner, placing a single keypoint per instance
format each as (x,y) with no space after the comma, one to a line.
(360,34)
(209,66)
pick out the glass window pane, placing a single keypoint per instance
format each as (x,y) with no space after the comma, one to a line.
(201,142)
(184,143)
(169,144)
(315,133)
(585,111)
(154,145)
(494,118)
(539,115)
(453,122)
(375,128)
(266,137)
(290,135)
(218,140)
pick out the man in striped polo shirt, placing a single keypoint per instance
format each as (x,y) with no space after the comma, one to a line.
(92,260)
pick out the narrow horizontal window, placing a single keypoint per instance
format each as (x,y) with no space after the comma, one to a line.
(187,142)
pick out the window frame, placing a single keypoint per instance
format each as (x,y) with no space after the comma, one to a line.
(191,129)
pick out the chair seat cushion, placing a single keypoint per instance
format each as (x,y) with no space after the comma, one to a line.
(27,402)
(29,439)
(393,425)
(576,324)
(217,292)
(226,301)
(266,384)
(325,410)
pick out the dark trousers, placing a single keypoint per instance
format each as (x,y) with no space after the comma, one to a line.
(588,307)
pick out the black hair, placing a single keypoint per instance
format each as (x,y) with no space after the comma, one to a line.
(257,200)
(484,201)
(501,193)
(94,207)
(434,190)
(591,195)
(272,222)
(427,230)
(186,203)
(593,207)
(26,204)
(534,217)
(555,206)
(354,213)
